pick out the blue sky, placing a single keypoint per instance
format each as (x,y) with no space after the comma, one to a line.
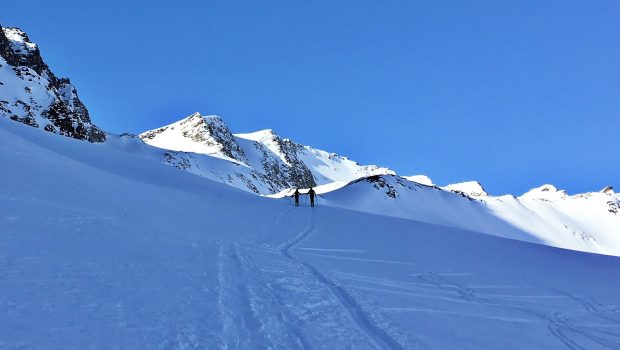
(511,93)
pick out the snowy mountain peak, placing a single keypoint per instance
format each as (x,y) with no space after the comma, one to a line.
(20,43)
(470,188)
(608,190)
(421,179)
(198,134)
(31,94)
(196,117)
(545,192)
(264,163)
(259,136)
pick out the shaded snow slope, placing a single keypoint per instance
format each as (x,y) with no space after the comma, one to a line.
(587,222)
(31,94)
(130,253)
(272,163)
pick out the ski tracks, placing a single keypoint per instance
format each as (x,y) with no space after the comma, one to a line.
(252,316)
(571,335)
(377,336)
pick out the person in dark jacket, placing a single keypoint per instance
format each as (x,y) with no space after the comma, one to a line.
(312,194)
(296,194)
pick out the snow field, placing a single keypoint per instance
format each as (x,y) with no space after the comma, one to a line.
(102,247)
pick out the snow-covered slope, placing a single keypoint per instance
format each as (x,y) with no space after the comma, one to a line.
(133,254)
(270,163)
(31,94)
(264,163)
(588,222)
(198,134)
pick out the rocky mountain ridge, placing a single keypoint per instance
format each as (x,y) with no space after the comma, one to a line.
(264,163)
(31,94)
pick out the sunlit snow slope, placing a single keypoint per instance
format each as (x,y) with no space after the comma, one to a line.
(103,247)
(264,163)
(269,162)
(587,222)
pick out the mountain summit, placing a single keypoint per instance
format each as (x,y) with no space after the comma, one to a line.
(31,94)
(265,163)
(198,134)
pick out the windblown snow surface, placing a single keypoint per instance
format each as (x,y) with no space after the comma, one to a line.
(103,247)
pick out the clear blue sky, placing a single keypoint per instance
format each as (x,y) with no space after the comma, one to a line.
(511,93)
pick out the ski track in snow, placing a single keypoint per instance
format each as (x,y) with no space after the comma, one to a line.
(255,313)
(251,313)
(377,335)
(334,250)
(558,323)
(358,259)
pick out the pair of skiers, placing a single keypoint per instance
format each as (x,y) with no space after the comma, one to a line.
(311,193)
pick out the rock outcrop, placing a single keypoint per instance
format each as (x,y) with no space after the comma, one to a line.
(31,94)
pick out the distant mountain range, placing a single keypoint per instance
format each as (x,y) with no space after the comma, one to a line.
(266,164)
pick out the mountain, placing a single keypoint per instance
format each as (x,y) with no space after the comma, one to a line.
(545,215)
(31,94)
(120,245)
(133,253)
(264,162)
(470,188)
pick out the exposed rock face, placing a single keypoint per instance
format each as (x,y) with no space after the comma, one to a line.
(200,134)
(31,94)
(608,189)
(261,162)
(280,162)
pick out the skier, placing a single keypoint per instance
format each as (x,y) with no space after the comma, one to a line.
(296,194)
(312,194)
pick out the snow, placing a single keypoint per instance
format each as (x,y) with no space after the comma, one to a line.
(103,246)
(545,192)
(321,189)
(544,215)
(26,86)
(191,134)
(130,245)
(258,136)
(608,190)
(470,188)
(19,41)
(586,222)
(421,179)
(266,157)
(329,167)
